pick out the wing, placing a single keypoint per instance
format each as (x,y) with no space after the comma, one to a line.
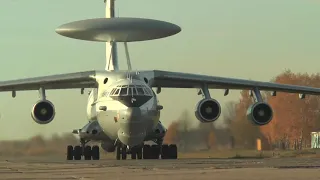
(60,81)
(168,79)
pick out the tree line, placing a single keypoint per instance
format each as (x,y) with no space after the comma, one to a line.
(293,121)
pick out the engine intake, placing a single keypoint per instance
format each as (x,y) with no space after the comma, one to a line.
(43,112)
(260,113)
(208,110)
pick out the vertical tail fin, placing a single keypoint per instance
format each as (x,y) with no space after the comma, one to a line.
(111,47)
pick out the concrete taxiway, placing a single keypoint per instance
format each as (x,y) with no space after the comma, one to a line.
(57,168)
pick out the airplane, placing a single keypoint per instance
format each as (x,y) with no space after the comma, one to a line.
(123,110)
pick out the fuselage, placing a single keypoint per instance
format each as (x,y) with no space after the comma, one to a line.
(125,108)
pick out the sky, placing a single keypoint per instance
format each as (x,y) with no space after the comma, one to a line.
(246,39)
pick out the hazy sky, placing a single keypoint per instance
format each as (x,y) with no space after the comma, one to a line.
(241,38)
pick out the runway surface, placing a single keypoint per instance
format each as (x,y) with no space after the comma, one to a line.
(240,169)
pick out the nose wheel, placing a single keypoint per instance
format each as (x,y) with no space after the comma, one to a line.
(121,152)
(87,152)
(136,152)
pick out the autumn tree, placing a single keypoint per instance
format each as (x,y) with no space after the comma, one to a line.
(172,132)
(229,113)
(211,139)
(184,121)
(185,137)
(205,135)
(244,132)
(293,118)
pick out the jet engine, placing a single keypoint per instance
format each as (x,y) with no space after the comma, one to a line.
(208,110)
(43,112)
(108,146)
(260,113)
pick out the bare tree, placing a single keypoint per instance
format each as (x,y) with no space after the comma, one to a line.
(229,112)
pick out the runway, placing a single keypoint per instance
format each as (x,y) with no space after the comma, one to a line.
(246,169)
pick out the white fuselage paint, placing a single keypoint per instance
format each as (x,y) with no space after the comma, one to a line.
(130,125)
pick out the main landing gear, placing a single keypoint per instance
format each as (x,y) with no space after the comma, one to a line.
(164,151)
(88,152)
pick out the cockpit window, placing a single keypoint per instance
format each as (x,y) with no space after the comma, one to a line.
(145,91)
(148,91)
(113,90)
(140,91)
(116,92)
(133,91)
(125,90)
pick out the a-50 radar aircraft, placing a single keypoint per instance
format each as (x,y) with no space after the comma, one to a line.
(123,109)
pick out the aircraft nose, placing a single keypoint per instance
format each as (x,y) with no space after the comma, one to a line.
(132,127)
(133,114)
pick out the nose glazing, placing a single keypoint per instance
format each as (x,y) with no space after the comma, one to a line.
(132,131)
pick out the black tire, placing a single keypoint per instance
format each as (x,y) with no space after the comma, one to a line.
(87,153)
(139,153)
(134,154)
(118,152)
(70,152)
(165,151)
(146,151)
(77,152)
(124,153)
(155,151)
(95,152)
(173,151)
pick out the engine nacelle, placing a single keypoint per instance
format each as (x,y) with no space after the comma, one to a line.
(43,112)
(208,110)
(108,146)
(260,113)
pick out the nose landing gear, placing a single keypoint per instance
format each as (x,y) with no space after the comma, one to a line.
(121,152)
(136,152)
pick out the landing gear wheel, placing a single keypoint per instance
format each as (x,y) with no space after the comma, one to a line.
(70,152)
(169,151)
(118,152)
(139,153)
(124,153)
(77,152)
(165,151)
(146,152)
(95,152)
(121,152)
(134,153)
(155,151)
(173,151)
(87,153)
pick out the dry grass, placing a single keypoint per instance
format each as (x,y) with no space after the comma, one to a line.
(38,146)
